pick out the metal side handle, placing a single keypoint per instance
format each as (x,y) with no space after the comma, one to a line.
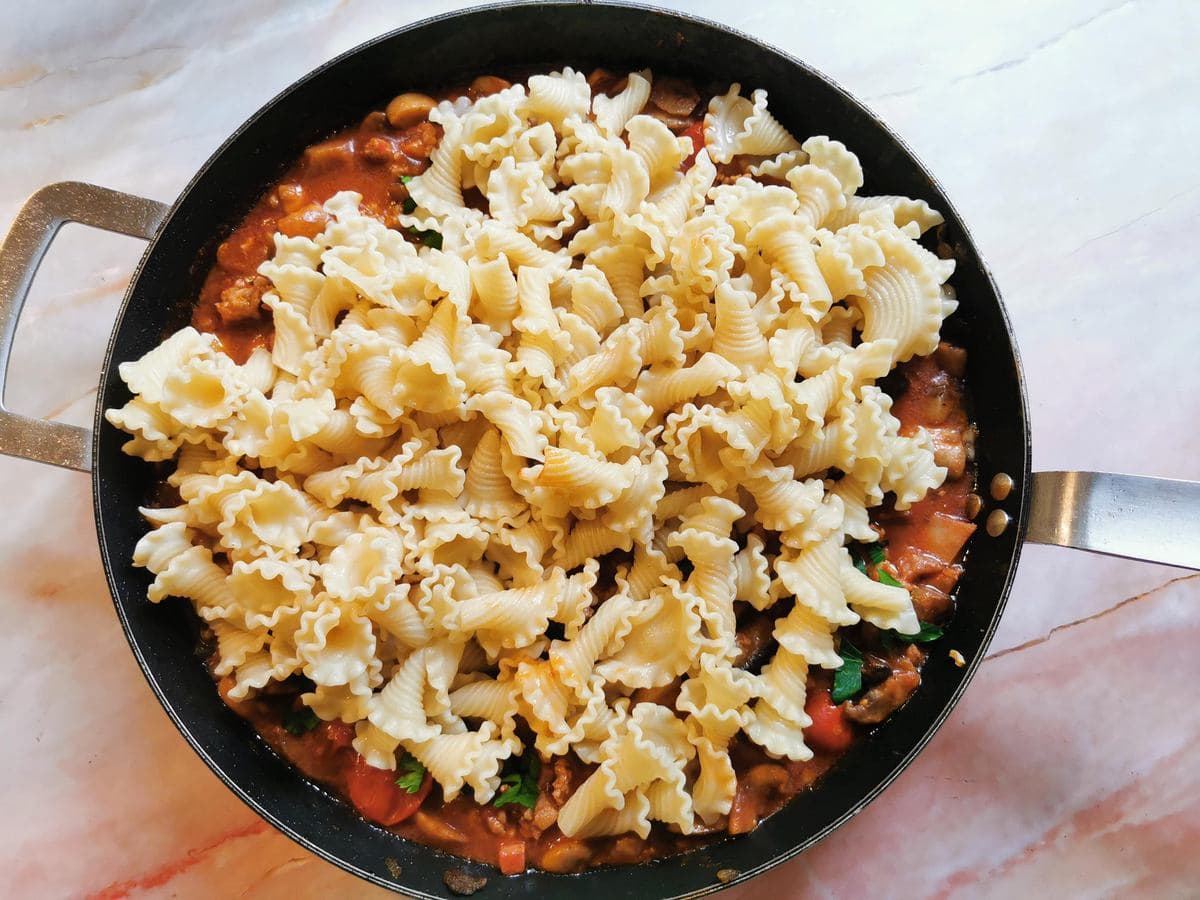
(21,253)
(1154,519)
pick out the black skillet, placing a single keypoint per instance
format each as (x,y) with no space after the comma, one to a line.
(1079,509)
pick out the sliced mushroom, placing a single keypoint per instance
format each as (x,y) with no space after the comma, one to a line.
(884,699)
(407,110)
(674,96)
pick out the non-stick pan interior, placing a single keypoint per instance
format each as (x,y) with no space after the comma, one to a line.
(453,49)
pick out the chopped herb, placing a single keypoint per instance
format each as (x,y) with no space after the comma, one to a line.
(883,577)
(522,785)
(412,773)
(877,558)
(926,634)
(860,565)
(410,205)
(847,681)
(429,238)
(301,721)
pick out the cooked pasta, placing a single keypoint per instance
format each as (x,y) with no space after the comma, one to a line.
(407,500)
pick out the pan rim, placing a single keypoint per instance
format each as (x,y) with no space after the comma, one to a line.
(1018,525)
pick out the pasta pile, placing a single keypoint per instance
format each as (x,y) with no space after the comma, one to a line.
(419,480)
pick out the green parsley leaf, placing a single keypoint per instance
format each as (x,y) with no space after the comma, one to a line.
(429,238)
(884,578)
(847,681)
(894,640)
(300,721)
(522,786)
(412,773)
(875,553)
(410,205)
(927,634)
(860,565)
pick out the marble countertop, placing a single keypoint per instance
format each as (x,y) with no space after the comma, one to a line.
(1066,133)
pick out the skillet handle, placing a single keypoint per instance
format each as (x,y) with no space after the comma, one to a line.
(1153,519)
(21,253)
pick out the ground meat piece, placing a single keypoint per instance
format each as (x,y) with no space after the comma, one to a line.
(493,820)
(243,300)
(243,252)
(561,790)
(914,564)
(418,142)
(545,813)
(402,165)
(379,149)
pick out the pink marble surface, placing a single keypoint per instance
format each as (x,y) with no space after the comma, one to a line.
(1066,135)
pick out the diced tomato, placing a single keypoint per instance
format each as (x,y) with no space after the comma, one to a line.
(339,735)
(829,730)
(375,794)
(512,857)
(695,131)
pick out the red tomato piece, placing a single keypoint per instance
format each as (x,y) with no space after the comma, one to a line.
(375,794)
(695,131)
(512,857)
(829,730)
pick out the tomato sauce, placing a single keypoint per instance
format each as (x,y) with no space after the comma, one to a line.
(925,542)
(370,159)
